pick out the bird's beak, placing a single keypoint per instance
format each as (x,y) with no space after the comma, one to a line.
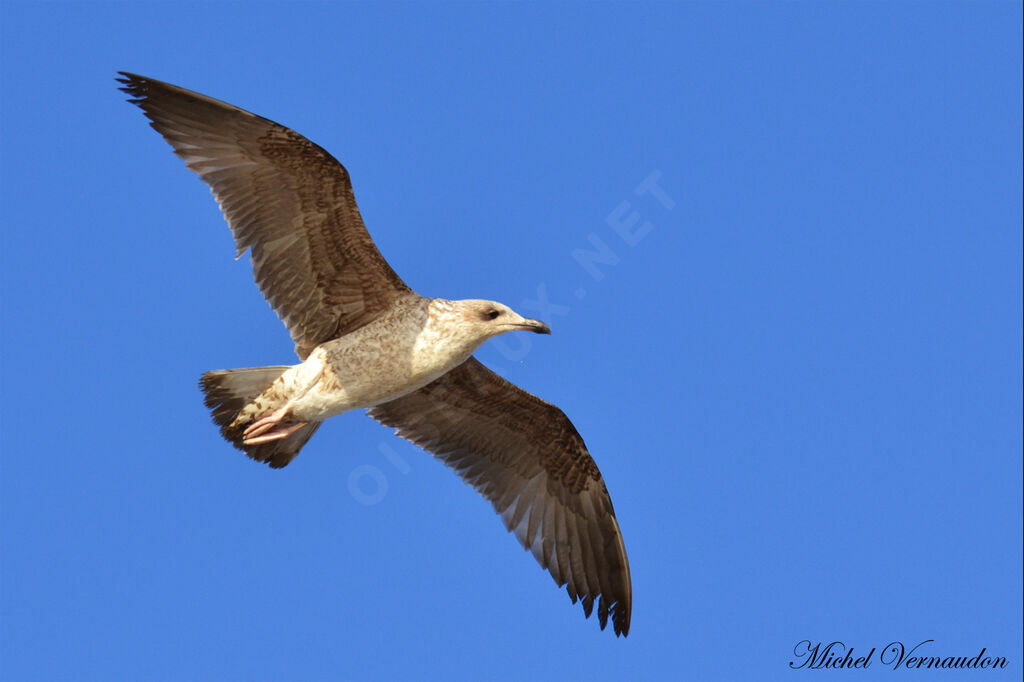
(535,326)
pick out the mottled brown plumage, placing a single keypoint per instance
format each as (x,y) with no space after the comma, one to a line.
(527,459)
(367,340)
(289,202)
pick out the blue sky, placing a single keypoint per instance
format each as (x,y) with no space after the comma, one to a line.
(802,381)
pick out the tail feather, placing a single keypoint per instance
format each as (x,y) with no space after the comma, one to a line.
(229,391)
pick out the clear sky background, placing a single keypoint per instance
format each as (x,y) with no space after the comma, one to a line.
(802,381)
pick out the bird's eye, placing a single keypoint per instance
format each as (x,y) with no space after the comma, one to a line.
(493,314)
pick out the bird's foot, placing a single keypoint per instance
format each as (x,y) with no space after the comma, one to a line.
(274,434)
(271,427)
(265,424)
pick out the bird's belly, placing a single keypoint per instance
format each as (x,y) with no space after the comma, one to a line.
(360,377)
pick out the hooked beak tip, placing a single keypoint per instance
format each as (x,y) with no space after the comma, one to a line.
(528,325)
(540,328)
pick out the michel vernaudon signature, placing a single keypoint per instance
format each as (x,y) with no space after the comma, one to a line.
(818,656)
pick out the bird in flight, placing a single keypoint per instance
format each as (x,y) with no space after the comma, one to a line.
(368,341)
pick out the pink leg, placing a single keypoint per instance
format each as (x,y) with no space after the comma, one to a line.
(275,434)
(265,424)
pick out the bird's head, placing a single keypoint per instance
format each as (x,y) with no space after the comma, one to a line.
(488,319)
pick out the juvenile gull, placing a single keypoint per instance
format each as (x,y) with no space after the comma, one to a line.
(368,341)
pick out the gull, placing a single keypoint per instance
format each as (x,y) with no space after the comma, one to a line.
(368,341)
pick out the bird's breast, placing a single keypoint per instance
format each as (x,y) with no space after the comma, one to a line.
(379,363)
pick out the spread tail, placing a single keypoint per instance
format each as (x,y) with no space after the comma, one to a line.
(229,391)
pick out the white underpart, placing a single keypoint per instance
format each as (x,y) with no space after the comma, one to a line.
(400,352)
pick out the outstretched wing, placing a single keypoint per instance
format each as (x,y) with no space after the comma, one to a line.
(525,456)
(285,199)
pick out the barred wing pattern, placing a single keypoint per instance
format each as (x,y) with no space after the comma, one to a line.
(525,456)
(285,199)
